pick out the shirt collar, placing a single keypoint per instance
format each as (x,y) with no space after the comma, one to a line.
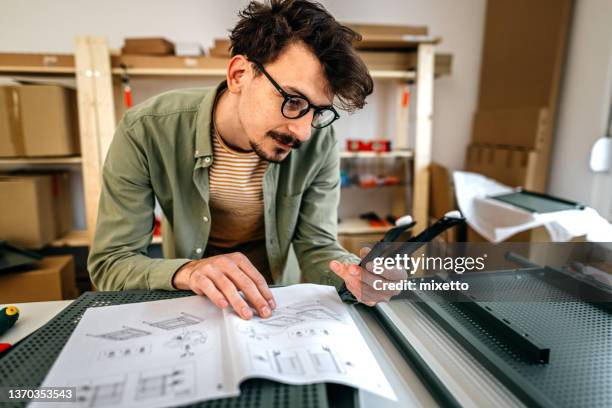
(203,146)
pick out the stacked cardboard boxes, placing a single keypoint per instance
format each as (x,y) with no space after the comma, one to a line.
(522,60)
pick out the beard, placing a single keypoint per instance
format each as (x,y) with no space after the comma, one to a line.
(278,154)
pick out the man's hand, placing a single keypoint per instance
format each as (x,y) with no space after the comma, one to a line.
(221,277)
(360,281)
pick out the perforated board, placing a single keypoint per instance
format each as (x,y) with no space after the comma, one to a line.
(579,334)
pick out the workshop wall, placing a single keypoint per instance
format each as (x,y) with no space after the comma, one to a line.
(585,96)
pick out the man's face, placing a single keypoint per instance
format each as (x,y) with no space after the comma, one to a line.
(271,135)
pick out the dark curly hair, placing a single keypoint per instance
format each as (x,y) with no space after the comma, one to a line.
(265,29)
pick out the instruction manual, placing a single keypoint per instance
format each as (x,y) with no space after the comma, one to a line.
(184,350)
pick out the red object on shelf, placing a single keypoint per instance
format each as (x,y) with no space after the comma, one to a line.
(352,145)
(127,96)
(380,146)
(390,180)
(157,227)
(365,145)
(405,97)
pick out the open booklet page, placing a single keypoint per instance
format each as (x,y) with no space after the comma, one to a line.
(179,351)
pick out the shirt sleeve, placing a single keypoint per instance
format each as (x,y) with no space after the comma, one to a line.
(118,258)
(315,241)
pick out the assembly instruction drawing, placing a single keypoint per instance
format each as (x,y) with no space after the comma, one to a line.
(175,381)
(125,352)
(126,333)
(186,341)
(186,350)
(103,393)
(298,313)
(183,320)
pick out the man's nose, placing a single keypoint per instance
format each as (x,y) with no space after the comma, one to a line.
(301,127)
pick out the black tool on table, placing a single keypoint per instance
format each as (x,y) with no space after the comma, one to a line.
(381,248)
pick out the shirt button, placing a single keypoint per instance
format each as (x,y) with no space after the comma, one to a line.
(207,159)
(198,250)
(205,219)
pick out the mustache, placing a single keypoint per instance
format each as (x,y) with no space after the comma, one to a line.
(285,139)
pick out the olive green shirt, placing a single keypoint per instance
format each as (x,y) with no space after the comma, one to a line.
(162,149)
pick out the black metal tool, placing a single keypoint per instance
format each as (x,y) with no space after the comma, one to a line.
(449,220)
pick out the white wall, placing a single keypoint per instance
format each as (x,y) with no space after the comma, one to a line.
(585,97)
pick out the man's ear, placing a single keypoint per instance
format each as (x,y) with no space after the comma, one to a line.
(239,72)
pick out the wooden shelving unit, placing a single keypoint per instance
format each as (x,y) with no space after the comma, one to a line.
(40,161)
(394,153)
(96,70)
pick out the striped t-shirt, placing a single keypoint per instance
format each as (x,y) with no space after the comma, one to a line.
(236,196)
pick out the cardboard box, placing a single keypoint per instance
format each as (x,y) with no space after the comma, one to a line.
(354,243)
(514,167)
(521,127)
(221,48)
(52,279)
(28,218)
(403,61)
(38,120)
(382,36)
(148,46)
(143,61)
(523,53)
(441,192)
(62,203)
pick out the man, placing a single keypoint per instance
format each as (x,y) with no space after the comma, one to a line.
(242,171)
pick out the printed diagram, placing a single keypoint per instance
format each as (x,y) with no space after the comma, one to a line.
(172,382)
(300,333)
(126,333)
(125,352)
(248,330)
(324,360)
(103,393)
(184,320)
(321,358)
(280,361)
(276,360)
(300,313)
(287,362)
(186,341)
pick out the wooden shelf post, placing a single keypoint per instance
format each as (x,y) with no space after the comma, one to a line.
(422,143)
(96,117)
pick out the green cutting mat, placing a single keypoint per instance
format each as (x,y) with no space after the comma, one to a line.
(536,203)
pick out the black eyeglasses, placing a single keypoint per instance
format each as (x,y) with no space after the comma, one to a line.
(296,106)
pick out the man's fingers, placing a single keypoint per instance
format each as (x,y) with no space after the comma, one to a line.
(230,291)
(344,271)
(208,288)
(394,274)
(258,279)
(250,290)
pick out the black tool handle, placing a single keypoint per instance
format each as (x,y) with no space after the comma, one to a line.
(449,220)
